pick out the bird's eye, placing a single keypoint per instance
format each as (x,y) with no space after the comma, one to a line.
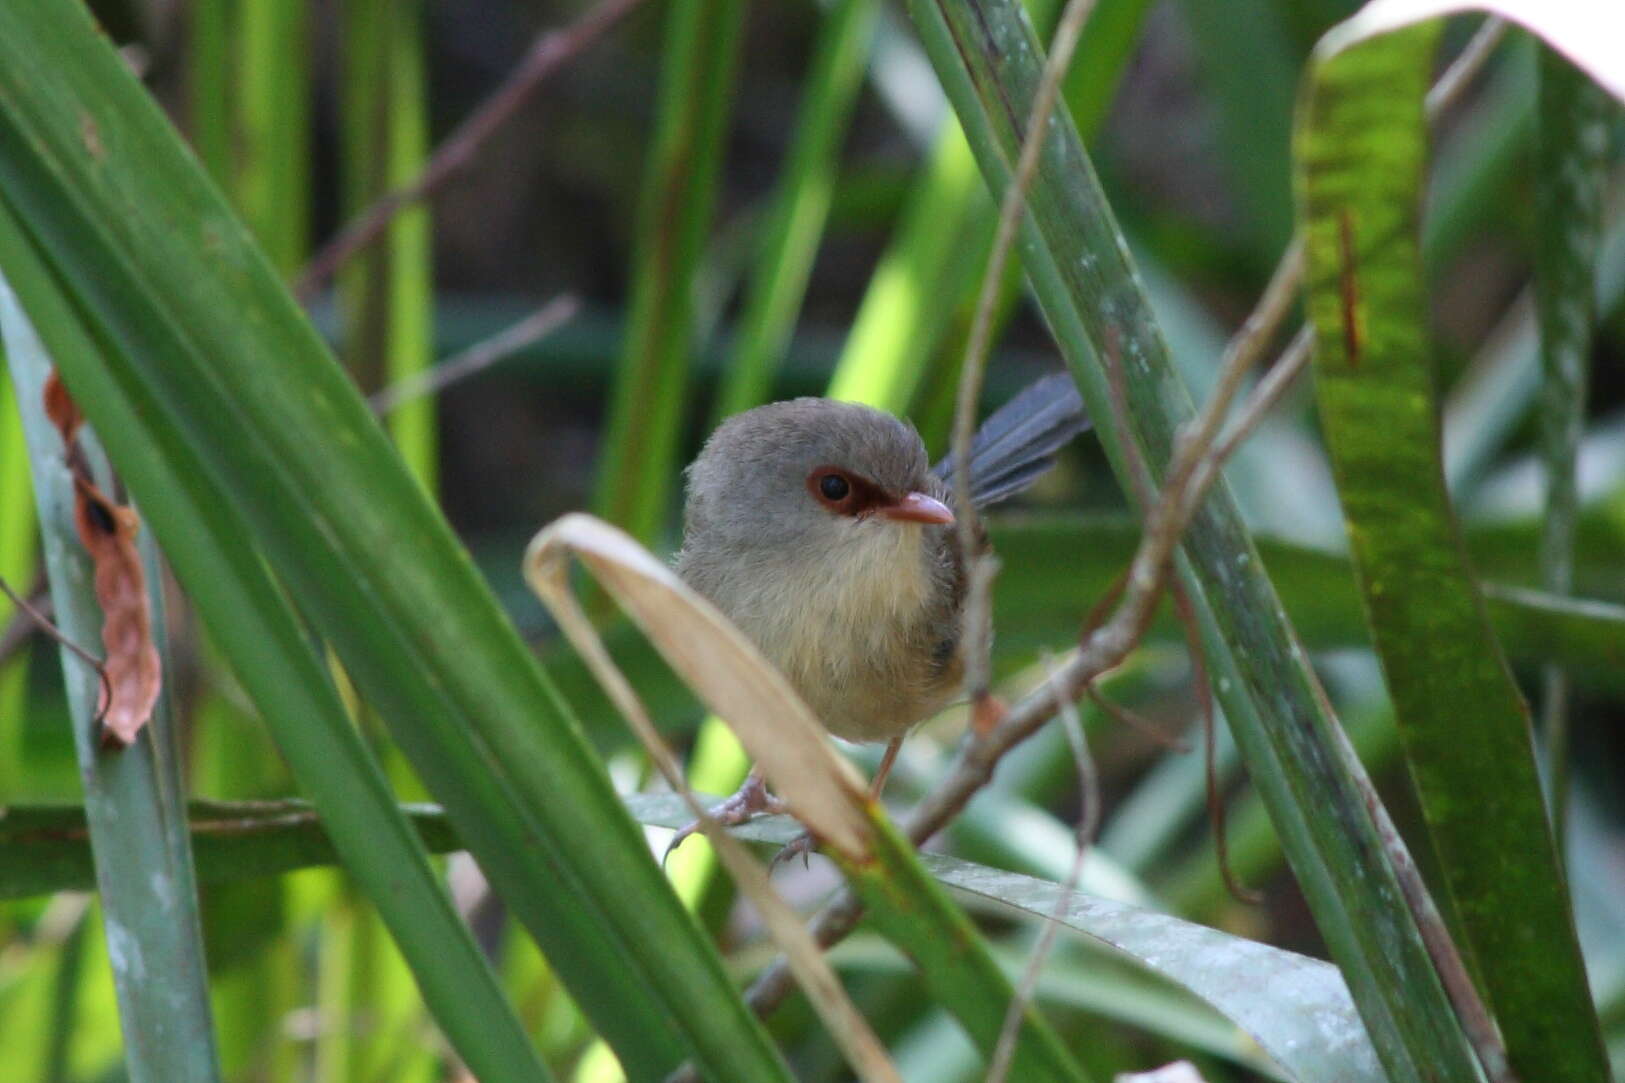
(843,493)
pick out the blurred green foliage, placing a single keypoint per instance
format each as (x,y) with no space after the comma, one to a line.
(758,202)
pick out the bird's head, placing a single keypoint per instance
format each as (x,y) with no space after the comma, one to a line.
(813,473)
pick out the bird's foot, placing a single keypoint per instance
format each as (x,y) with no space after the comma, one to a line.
(802,845)
(751,797)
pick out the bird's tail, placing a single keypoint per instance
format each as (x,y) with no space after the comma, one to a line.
(1018,442)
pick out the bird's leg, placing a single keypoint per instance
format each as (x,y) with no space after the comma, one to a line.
(802,844)
(751,797)
(886,761)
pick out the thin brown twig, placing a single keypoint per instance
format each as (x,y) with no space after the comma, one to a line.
(550,52)
(1468,63)
(1088,823)
(972,539)
(1134,721)
(478,357)
(1234,364)
(1275,383)
(1210,746)
(43,622)
(22,626)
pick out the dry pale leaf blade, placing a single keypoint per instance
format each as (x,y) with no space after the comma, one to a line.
(727,672)
(1585,31)
(546,565)
(134,673)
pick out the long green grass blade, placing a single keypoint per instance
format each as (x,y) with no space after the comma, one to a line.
(227,371)
(931,268)
(250,71)
(638,464)
(989,61)
(134,801)
(1571,161)
(1317,589)
(256,630)
(1248,65)
(18,550)
(270,125)
(795,221)
(388,302)
(208,85)
(1359,154)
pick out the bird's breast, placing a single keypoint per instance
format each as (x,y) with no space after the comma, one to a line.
(856,628)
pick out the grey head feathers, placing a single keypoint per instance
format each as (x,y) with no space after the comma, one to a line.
(749,481)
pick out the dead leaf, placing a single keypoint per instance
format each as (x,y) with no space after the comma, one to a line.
(62,410)
(134,675)
(132,672)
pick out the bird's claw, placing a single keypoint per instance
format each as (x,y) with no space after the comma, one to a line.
(751,798)
(803,844)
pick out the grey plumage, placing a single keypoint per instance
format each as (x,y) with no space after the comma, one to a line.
(857,604)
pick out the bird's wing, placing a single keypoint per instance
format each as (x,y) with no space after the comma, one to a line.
(1018,442)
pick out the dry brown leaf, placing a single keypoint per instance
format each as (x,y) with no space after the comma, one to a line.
(724,668)
(132,673)
(62,410)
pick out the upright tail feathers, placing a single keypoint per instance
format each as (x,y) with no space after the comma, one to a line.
(1018,442)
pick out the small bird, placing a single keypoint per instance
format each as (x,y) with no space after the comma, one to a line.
(822,531)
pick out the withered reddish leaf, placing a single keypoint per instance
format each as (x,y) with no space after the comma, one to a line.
(61,409)
(134,676)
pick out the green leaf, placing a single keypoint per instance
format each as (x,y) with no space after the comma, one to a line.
(1360,151)
(929,273)
(133,795)
(210,363)
(701,60)
(253,625)
(1298,1009)
(1251,71)
(1571,164)
(907,906)
(1086,978)
(795,222)
(1316,587)
(388,293)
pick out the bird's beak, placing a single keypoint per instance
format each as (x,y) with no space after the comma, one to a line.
(919,508)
